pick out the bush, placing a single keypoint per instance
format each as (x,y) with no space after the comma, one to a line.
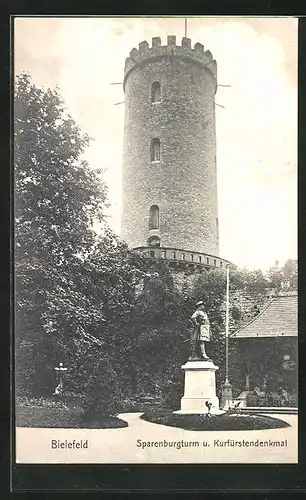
(283,399)
(252,400)
(172,397)
(104,395)
(273,399)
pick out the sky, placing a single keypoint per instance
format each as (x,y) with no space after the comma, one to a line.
(256,129)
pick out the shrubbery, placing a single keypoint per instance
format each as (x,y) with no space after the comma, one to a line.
(104,392)
(173,395)
(273,399)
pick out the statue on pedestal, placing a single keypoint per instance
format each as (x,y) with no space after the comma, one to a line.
(199,371)
(200,334)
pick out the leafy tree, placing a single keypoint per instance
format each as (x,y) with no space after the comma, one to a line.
(152,344)
(72,286)
(248,294)
(57,195)
(159,332)
(285,277)
(104,390)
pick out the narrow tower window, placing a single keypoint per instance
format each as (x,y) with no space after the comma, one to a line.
(155,92)
(155,150)
(154,217)
(154,241)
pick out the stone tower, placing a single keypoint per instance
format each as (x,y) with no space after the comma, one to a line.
(170,207)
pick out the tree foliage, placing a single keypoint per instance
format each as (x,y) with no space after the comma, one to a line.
(73,288)
(157,336)
(284,277)
(57,195)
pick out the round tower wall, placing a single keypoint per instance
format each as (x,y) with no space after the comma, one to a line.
(183,184)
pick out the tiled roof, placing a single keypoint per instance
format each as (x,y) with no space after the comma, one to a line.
(279,318)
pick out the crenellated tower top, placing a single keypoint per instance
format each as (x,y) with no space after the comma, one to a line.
(145,53)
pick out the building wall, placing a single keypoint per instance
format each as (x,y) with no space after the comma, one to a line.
(184,183)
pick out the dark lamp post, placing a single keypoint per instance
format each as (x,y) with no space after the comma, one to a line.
(227,393)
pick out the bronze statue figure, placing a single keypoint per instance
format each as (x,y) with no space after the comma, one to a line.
(200,334)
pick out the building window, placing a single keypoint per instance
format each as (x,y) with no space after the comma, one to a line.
(191,257)
(155,150)
(200,259)
(207,260)
(154,217)
(154,241)
(183,256)
(173,256)
(221,263)
(155,92)
(163,254)
(152,253)
(215,262)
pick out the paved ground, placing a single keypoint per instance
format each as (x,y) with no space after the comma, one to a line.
(33,445)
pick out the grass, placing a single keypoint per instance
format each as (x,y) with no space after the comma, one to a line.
(60,414)
(222,422)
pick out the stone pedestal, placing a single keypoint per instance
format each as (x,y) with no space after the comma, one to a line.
(200,386)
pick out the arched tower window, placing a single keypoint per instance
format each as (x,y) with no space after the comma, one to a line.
(155,150)
(154,217)
(155,92)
